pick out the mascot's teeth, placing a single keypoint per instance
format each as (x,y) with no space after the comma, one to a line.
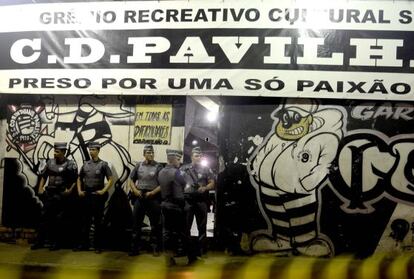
(296,131)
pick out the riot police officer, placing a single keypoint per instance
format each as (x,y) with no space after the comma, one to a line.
(93,192)
(146,199)
(172,185)
(200,180)
(60,174)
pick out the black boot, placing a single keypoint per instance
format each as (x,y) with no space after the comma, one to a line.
(134,250)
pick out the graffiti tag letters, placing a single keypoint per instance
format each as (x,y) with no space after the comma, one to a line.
(369,168)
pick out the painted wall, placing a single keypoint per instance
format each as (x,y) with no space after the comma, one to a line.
(295,176)
(35,123)
(317,177)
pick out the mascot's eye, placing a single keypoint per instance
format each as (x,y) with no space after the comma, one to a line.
(296,117)
(285,117)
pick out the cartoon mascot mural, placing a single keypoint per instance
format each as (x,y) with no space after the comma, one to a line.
(287,169)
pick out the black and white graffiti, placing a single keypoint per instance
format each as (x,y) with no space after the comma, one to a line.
(287,169)
(24,125)
(77,122)
(35,123)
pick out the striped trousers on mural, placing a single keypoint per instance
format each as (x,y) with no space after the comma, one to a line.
(293,216)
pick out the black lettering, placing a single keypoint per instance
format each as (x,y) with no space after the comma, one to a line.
(352,15)
(130,17)
(405,17)
(147,83)
(32,82)
(64,83)
(14,81)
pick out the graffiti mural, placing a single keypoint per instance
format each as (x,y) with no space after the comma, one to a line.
(34,125)
(32,131)
(327,177)
(310,177)
(287,170)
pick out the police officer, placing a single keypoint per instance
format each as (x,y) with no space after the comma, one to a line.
(60,174)
(200,180)
(94,193)
(172,185)
(146,199)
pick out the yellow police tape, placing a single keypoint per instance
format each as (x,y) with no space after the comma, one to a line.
(10,272)
(398,269)
(66,273)
(210,270)
(370,268)
(337,268)
(85,265)
(299,268)
(146,267)
(256,267)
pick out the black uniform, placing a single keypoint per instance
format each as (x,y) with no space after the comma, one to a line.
(172,191)
(197,203)
(145,176)
(92,175)
(61,177)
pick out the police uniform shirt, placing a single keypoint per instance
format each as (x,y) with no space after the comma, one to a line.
(61,175)
(172,184)
(93,174)
(200,173)
(146,174)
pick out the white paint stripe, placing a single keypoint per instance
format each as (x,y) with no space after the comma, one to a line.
(305,237)
(303,220)
(280,223)
(269,192)
(276,208)
(300,202)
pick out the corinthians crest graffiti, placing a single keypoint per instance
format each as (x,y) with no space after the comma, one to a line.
(24,125)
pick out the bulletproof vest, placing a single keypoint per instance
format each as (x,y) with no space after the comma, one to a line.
(93,175)
(147,176)
(170,188)
(60,175)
